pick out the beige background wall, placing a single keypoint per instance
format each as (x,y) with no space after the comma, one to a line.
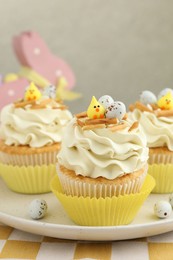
(116,47)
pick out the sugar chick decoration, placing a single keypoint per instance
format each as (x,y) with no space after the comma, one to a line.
(105,101)
(32,93)
(116,110)
(166,101)
(95,109)
(148,97)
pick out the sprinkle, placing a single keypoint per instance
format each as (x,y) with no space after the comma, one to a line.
(101,121)
(91,127)
(80,123)
(82,114)
(133,126)
(166,113)
(24,103)
(118,127)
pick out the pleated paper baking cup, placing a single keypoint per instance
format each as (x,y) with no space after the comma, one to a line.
(29,159)
(29,180)
(109,211)
(163,175)
(76,187)
(160,158)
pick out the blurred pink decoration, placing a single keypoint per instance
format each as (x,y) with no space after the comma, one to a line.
(11,91)
(0,79)
(32,52)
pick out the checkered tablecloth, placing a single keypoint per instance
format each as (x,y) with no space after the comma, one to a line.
(16,244)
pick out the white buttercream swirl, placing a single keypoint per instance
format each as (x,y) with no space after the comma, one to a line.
(158,130)
(101,152)
(33,127)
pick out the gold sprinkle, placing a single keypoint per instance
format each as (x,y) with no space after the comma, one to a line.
(118,127)
(91,127)
(133,126)
(82,114)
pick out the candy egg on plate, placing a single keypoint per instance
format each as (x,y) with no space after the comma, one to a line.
(37,208)
(162,209)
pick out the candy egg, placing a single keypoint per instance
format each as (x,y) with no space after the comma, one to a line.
(105,100)
(148,97)
(164,91)
(37,208)
(116,109)
(171,199)
(50,91)
(162,209)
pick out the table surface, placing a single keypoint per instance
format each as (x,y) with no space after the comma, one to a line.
(16,244)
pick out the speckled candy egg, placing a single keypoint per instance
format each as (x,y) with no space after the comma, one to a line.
(50,91)
(162,209)
(116,109)
(105,101)
(164,91)
(37,208)
(148,97)
(171,199)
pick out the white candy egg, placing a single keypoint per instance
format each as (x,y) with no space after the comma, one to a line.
(116,109)
(37,208)
(164,91)
(50,91)
(162,209)
(105,100)
(171,199)
(148,97)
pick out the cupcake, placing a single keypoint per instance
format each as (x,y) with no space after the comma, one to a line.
(30,138)
(155,115)
(102,166)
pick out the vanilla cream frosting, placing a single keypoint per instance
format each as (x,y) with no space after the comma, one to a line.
(158,130)
(33,127)
(101,152)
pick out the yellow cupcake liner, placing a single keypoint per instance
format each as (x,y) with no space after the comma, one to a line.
(28,180)
(109,211)
(163,175)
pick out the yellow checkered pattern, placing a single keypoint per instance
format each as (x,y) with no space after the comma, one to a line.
(16,244)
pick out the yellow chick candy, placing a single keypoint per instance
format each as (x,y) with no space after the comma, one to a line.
(166,102)
(32,93)
(95,109)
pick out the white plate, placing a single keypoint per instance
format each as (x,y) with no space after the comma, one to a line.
(14,212)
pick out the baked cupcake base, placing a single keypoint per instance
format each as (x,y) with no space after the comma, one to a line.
(24,155)
(161,169)
(28,180)
(78,185)
(108,211)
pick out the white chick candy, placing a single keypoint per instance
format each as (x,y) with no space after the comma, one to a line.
(148,97)
(164,91)
(105,101)
(162,209)
(37,208)
(116,110)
